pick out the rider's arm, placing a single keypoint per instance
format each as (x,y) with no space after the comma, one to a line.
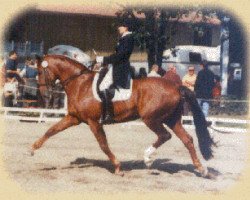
(123,50)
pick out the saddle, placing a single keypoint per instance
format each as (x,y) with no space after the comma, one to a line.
(104,79)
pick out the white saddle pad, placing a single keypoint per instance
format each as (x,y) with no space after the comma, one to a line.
(120,95)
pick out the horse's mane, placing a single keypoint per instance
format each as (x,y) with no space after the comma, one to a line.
(68,60)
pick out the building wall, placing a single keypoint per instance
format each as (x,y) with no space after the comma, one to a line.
(86,32)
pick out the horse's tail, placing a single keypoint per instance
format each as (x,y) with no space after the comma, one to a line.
(204,139)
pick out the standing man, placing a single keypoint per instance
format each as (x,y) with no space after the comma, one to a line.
(203,87)
(171,75)
(121,68)
(10,91)
(29,74)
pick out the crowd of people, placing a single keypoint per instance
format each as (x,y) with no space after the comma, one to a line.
(20,84)
(205,84)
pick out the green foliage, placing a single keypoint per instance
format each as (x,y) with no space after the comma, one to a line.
(155,27)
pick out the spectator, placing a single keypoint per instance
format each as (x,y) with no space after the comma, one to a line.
(189,79)
(132,72)
(217,88)
(142,73)
(10,91)
(58,95)
(172,76)
(216,92)
(154,71)
(29,73)
(11,66)
(203,87)
(2,78)
(2,70)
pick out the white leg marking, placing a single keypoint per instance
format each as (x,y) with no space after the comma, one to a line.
(148,155)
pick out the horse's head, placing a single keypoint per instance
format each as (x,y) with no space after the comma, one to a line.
(46,79)
(46,71)
(53,67)
(57,67)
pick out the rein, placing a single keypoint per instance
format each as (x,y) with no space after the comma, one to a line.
(50,85)
(65,82)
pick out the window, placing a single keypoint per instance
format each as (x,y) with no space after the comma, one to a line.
(195,57)
(203,36)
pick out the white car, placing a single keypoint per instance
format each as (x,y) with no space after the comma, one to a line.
(71,52)
(190,53)
(185,55)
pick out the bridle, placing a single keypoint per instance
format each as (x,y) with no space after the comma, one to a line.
(50,85)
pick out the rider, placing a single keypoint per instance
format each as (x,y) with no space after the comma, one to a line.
(121,68)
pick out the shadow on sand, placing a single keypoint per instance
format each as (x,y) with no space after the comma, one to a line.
(163,165)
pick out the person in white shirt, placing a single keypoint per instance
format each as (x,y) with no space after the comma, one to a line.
(154,71)
(10,91)
(189,79)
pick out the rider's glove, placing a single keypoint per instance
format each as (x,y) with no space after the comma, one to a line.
(99,59)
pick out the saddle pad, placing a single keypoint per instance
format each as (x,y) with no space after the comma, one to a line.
(120,95)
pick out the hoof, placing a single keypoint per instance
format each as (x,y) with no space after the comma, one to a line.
(204,172)
(32,152)
(119,173)
(148,162)
(210,176)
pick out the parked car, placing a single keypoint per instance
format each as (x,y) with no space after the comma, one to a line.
(71,52)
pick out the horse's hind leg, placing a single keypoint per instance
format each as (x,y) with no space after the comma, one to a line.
(188,142)
(65,122)
(100,136)
(162,136)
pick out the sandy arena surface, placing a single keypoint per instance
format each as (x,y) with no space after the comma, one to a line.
(72,161)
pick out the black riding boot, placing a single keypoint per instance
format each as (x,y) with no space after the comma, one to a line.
(107,107)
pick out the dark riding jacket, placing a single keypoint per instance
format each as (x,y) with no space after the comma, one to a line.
(120,60)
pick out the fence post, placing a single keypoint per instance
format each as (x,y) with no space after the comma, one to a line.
(41,47)
(41,117)
(12,45)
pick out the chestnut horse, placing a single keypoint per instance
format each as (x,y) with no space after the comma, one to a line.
(155,100)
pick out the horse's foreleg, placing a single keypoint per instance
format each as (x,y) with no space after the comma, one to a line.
(162,136)
(100,136)
(188,142)
(65,122)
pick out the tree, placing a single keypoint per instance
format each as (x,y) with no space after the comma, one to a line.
(155,27)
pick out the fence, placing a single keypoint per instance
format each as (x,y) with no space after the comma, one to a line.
(33,114)
(52,115)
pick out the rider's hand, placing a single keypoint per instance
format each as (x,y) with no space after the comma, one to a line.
(99,59)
